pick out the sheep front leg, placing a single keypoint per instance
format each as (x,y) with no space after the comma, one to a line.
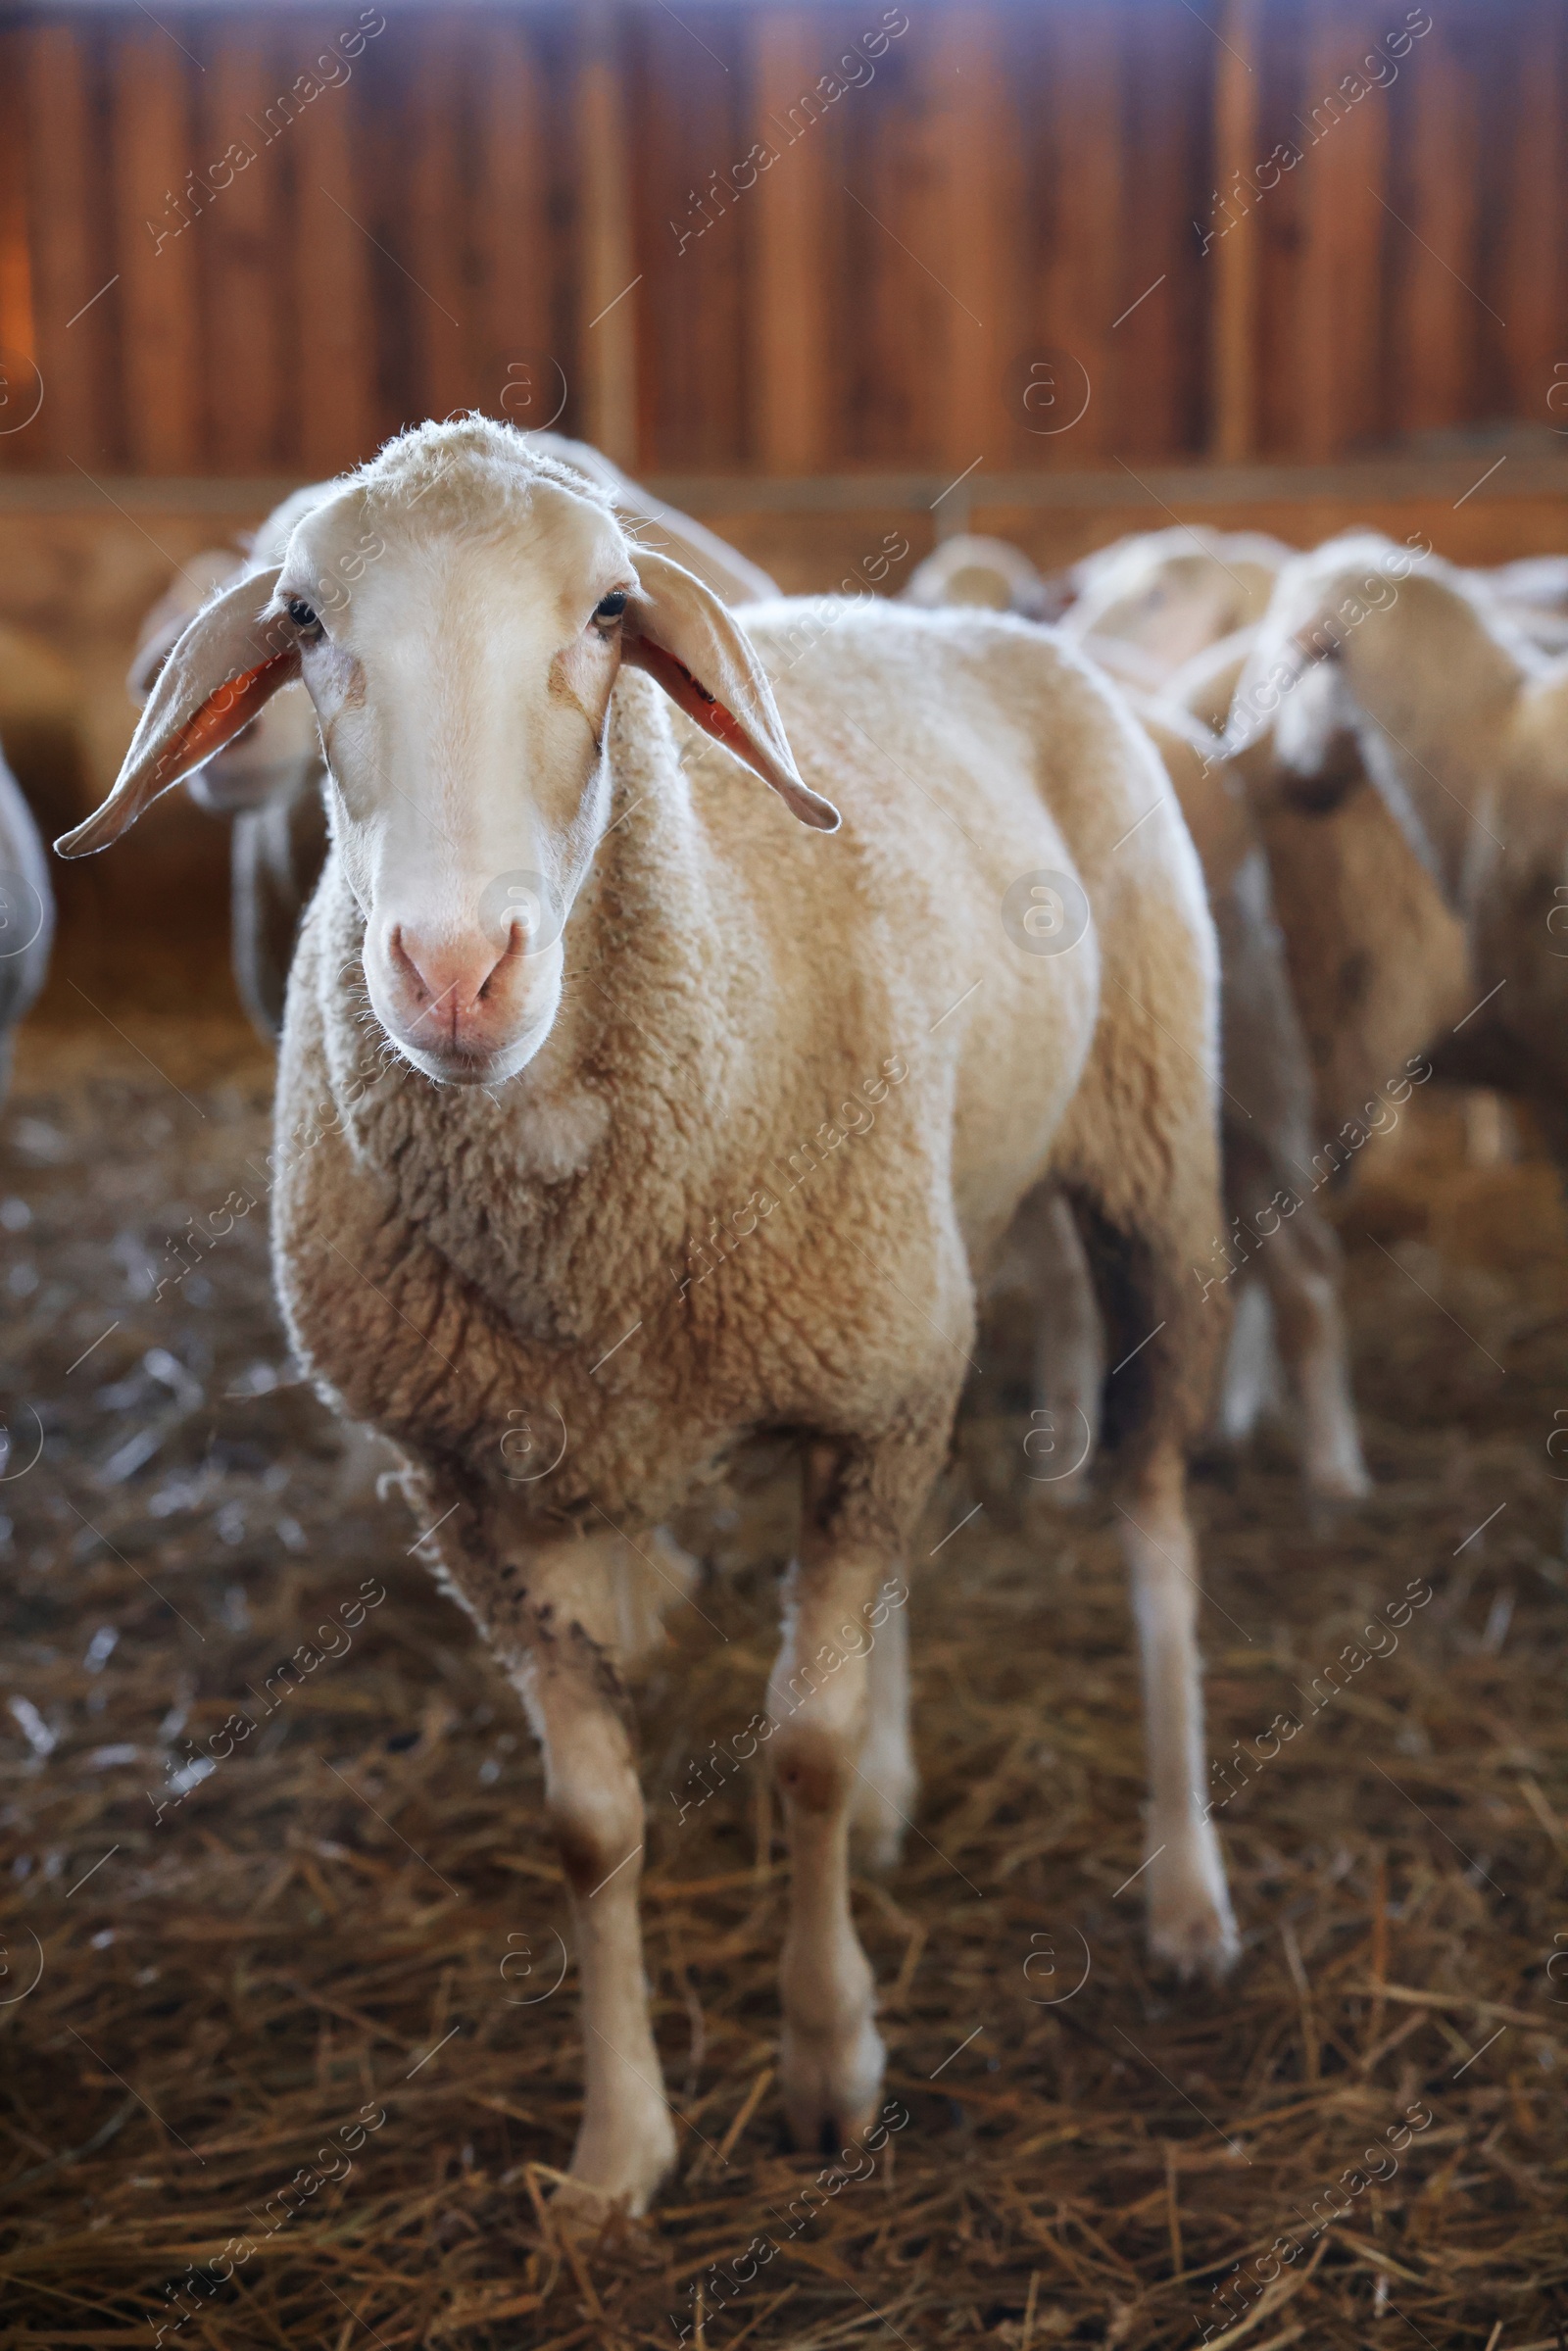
(1190,1921)
(626,2142)
(831,2059)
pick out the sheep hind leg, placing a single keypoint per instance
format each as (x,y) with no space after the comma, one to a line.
(1301,1264)
(1190,1922)
(1069,1357)
(831,2057)
(886,1783)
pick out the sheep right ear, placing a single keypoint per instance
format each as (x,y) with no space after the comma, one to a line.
(224,669)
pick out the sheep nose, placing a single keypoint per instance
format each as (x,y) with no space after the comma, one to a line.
(448,977)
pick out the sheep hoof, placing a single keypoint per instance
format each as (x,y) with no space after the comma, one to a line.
(831,2083)
(878,1846)
(1331,1491)
(885,1797)
(625,2169)
(1191,1926)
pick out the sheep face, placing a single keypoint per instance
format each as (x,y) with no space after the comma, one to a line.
(462,694)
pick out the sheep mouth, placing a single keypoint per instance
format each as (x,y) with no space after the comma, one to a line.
(469,1066)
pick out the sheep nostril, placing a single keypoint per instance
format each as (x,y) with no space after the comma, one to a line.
(405,963)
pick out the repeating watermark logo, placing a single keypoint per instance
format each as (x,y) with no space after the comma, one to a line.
(534,1444)
(1045,1443)
(20,390)
(518,1967)
(535,393)
(23,914)
(1046,913)
(1046,1973)
(527,903)
(1052,389)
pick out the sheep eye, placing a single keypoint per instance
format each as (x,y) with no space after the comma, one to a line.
(611,607)
(303,614)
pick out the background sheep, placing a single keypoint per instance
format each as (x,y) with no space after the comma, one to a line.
(26,914)
(1462,726)
(1377,962)
(1266,1103)
(444,1251)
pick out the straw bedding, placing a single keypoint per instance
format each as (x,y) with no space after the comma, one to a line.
(298,2040)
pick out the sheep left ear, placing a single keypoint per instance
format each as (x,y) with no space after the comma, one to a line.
(224,668)
(682,635)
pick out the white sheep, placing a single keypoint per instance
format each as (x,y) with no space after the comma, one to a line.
(27,916)
(1145,605)
(1378,964)
(1461,723)
(969,568)
(628,996)
(1266,1101)
(270,778)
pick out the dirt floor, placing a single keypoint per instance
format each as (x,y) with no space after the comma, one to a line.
(290,2043)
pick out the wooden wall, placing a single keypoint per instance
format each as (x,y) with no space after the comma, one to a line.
(990,246)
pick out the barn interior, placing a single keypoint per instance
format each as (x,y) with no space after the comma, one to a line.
(1055,273)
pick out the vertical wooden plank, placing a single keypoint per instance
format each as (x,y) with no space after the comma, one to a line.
(239,244)
(1439,308)
(1084,280)
(692,137)
(338,416)
(72,317)
(1530,278)
(22,439)
(962,70)
(788,309)
(608,265)
(1343,172)
(892,309)
(1236,255)
(434,242)
(1158,334)
(1536,236)
(520,375)
(160,213)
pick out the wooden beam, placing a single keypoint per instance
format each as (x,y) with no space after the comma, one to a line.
(238,245)
(789,324)
(67,260)
(1235,254)
(22,442)
(606,332)
(340,419)
(521,377)
(160,212)
(1337,367)
(436,231)
(962,84)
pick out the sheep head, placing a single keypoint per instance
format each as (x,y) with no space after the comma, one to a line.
(1169,594)
(462,685)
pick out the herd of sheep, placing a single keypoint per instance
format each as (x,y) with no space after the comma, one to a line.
(678,1031)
